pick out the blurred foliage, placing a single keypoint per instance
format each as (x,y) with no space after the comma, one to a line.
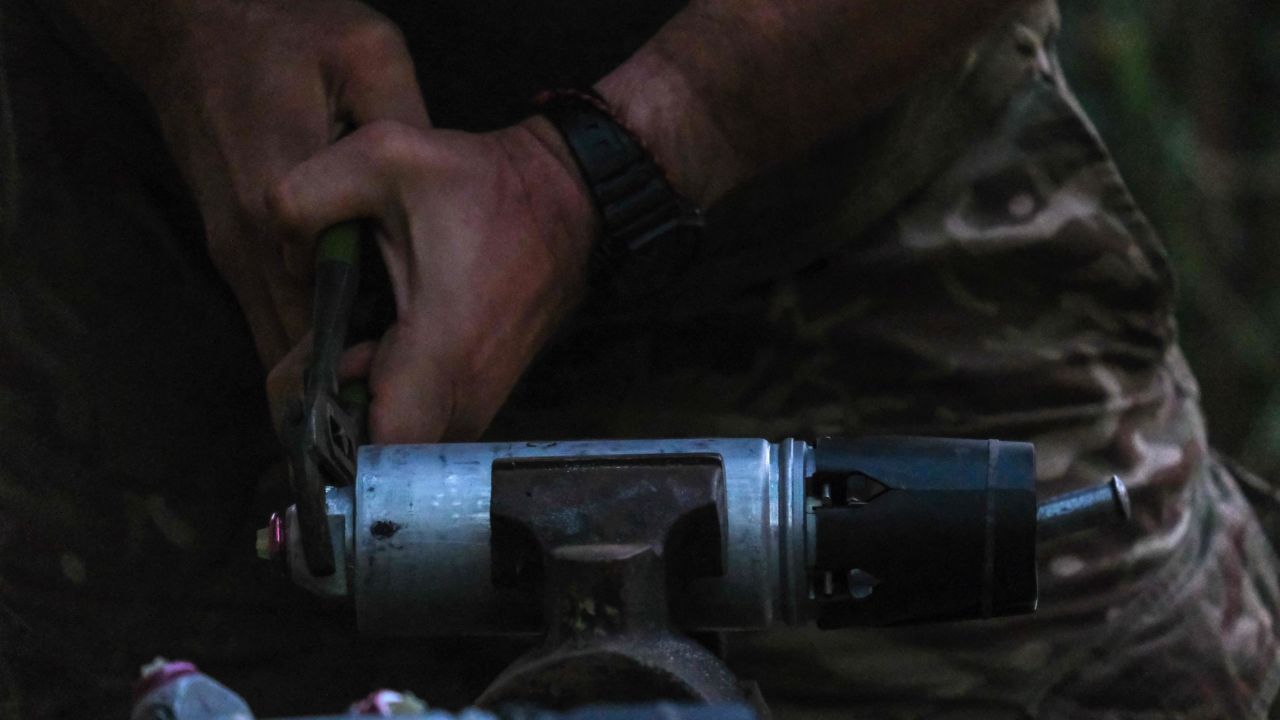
(1187,95)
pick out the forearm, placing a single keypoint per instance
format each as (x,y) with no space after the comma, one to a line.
(731,87)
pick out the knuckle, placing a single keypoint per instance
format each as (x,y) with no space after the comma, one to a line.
(282,206)
(373,40)
(391,144)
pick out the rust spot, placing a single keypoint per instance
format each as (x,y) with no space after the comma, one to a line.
(384,529)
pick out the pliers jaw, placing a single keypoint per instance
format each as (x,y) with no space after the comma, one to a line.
(332,438)
(321,440)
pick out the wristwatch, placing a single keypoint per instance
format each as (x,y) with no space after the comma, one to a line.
(650,233)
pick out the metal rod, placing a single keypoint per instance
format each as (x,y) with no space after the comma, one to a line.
(1093,507)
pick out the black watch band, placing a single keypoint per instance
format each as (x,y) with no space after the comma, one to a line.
(641,215)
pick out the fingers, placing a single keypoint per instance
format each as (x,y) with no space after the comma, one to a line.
(360,176)
(356,177)
(410,403)
(371,80)
(356,362)
(285,380)
(375,78)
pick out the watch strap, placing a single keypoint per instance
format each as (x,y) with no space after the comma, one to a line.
(636,203)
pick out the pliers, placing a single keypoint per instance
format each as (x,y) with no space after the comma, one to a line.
(322,429)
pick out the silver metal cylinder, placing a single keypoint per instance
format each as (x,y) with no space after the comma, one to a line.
(417,535)
(872,531)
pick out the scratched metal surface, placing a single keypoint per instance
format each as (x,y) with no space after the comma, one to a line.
(422,534)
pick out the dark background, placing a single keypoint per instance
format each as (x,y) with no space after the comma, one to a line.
(1187,95)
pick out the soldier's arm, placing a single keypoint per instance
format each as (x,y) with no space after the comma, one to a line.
(730,87)
(486,235)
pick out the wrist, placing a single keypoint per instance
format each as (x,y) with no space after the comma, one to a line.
(652,97)
(558,197)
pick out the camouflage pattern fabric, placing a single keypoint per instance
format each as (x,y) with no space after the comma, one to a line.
(1002,286)
(967,263)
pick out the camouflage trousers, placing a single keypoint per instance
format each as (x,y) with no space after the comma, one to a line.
(967,263)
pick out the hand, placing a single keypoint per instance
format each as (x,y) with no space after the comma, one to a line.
(253,89)
(485,239)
